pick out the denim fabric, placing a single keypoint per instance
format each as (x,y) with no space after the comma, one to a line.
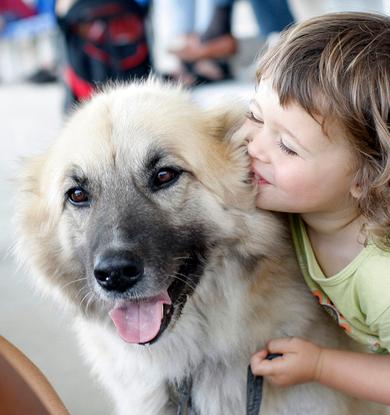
(272,15)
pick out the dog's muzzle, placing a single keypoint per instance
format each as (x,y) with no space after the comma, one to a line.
(142,321)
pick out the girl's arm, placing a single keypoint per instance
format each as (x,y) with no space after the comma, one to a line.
(364,376)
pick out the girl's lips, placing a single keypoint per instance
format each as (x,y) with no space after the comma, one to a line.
(260,180)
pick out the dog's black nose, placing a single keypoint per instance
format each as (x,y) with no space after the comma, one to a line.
(118,271)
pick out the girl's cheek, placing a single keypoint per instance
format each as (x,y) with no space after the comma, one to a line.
(288,181)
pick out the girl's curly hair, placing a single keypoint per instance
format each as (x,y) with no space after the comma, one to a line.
(338,66)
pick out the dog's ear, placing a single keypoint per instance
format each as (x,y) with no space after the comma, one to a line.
(28,207)
(32,217)
(36,217)
(226,121)
(227,166)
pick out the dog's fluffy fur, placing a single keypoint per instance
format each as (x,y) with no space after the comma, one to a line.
(241,287)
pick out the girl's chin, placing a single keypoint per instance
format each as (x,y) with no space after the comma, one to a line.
(262,203)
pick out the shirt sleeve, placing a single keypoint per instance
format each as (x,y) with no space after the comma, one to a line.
(382,326)
(373,289)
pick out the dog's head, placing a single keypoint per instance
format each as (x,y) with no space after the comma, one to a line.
(121,214)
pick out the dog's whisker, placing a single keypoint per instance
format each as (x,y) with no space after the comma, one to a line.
(84,298)
(88,299)
(180,258)
(73,282)
(89,302)
(177,276)
(183,279)
(81,291)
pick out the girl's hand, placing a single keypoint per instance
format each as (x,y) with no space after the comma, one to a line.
(300,363)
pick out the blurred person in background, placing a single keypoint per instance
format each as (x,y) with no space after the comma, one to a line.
(105,40)
(272,16)
(47,72)
(203,40)
(13,10)
(21,20)
(204,48)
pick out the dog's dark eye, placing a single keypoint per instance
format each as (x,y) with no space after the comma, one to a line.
(78,196)
(165,177)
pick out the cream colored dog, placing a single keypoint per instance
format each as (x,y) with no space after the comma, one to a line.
(141,217)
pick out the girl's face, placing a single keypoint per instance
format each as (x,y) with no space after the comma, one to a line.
(297,167)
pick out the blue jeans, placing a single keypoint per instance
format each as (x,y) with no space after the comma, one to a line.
(193,15)
(272,15)
(190,15)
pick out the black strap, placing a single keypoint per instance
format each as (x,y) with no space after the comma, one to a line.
(185,403)
(254,393)
(254,389)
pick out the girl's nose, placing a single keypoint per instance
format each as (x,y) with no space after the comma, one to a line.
(257,148)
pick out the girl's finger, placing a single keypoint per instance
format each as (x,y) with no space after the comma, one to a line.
(262,368)
(259,356)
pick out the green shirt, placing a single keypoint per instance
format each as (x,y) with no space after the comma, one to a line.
(358,296)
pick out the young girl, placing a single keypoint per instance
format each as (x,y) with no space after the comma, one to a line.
(319,141)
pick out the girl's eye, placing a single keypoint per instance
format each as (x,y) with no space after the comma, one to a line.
(253,118)
(165,177)
(77,196)
(286,149)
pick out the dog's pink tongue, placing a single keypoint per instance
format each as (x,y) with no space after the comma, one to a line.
(140,322)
